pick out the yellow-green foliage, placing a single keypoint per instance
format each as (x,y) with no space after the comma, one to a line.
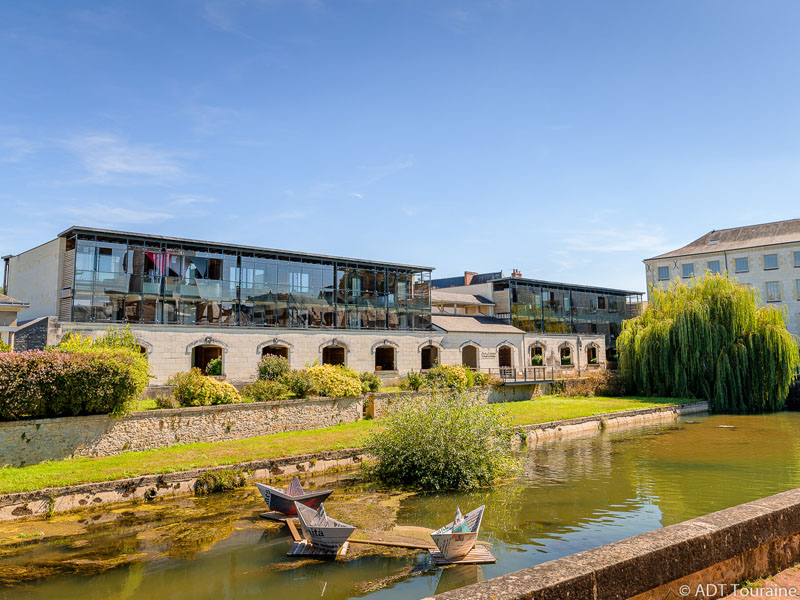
(5,347)
(195,389)
(710,340)
(453,377)
(334,381)
(114,342)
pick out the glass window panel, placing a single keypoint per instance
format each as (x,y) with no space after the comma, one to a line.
(82,308)
(742,265)
(133,308)
(688,270)
(773,291)
(85,256)
(663,273)
(713,266)
(770,262)
(797,259)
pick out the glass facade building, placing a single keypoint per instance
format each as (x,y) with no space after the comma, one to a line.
(547,307)
(131,278)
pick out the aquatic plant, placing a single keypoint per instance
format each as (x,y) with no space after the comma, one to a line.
(710,339)
(450,441)
(221,480)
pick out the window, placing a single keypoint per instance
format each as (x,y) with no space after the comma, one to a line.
(773,291)
(713,266)
(601,301)
(688,270)
(663,273)
(797,259)
(770,262)
(742,265)
(797,288)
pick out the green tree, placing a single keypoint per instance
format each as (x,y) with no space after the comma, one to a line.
(710,339)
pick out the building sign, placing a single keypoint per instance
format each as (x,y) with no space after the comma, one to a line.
(488,354)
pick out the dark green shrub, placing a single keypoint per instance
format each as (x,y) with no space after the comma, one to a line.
(42,383)
(214,367)
(413,381)
(221,480)
(272,367)
(299,383)
(369,382)
(264,390)
(450,441)
(195,389)
(453,377)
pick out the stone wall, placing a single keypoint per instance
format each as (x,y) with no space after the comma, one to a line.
(29,442)
(37,334)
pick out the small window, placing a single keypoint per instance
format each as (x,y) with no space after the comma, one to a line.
(663,273)
(770,262)
(742,265)
(601,302)
(797,259)
(688,270)
(797,288)
(713,266)
(773,291)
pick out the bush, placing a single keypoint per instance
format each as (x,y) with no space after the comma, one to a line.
(710,340)
(448,442)
(299,383)
(369,382)
(453,377)
(537,360)
(603,383)
(272,367)
(214,367)
(164,401)
(195,389)
(265,390)
(221,480)
(5,347)
(42,383)
(485,380)
(334,381)
(413,381)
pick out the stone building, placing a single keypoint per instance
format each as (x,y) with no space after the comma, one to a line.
(190,301)
(766,257)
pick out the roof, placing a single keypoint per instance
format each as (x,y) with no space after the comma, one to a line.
(438,296)
(739,238)
(8,301)
(572,286)
(446,282)
(163,238)
(472,323)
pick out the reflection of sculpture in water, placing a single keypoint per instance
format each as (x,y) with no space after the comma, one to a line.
(456,576)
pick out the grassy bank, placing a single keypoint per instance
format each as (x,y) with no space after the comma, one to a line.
(208,454)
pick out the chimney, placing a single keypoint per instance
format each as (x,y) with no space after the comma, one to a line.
(468,275)
(516,273)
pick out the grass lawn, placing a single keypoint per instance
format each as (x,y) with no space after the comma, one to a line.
(72,471)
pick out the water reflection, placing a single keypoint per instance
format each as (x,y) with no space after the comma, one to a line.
(569,496)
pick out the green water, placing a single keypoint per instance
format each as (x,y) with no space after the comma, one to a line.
(572,495)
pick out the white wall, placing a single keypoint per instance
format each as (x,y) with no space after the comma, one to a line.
(33,278)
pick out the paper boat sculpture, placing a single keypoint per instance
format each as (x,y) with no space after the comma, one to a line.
(322,531)
(457,538)
(283,500)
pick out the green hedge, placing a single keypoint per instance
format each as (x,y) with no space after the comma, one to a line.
(195,389)
(42,383)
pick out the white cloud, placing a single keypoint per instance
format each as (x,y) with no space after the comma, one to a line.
(377,172)
(639,237)
(106,214)
(283,216)
(15,149)
(188,199)
(110,160)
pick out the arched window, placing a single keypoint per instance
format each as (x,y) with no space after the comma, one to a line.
(591,355)
(333,355)
(504,357)
(566,356)
(469,356)
(276,351)
(385,359)
(203,355)
(430,357)
(537,356)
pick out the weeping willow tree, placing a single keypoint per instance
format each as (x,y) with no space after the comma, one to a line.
(710,340)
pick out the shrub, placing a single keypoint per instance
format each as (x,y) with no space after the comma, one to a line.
(710,340)
(334,381)
(369,382)
(453,377)
(485,380)
(272,367)
(537,360)
(413,381)
(5,347)
(265,390)
(448,442)
(41,383)
(299,383)
(603,383)
(214,367)
(221,480)
(164,401)
(195,389)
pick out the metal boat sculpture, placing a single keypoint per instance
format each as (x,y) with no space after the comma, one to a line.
(457,538)
(284,501)
(322,531)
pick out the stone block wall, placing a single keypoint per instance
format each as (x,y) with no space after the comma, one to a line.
(29,442)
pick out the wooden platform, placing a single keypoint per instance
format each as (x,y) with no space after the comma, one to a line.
(479,555)
(398,544)
(303,548)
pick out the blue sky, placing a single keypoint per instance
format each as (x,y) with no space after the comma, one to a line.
(567,139)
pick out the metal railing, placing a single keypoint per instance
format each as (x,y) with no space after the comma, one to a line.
(511,374)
